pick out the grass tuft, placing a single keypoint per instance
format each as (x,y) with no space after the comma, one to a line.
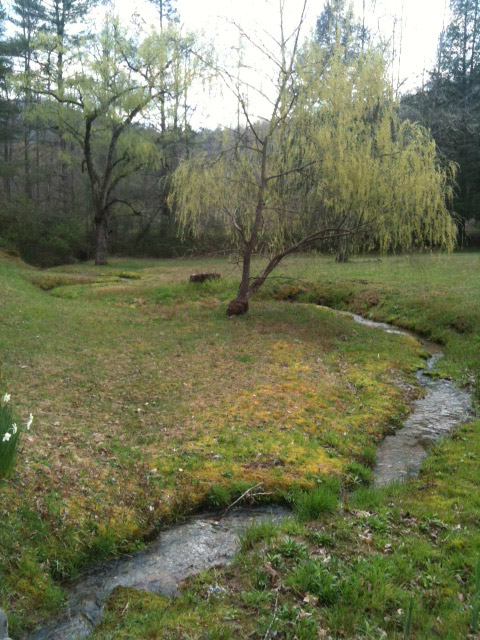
(476,599)
(265,530)
(311,505)
(313,578)
(357,474)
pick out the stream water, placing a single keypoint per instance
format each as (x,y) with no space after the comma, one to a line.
(204,542)
(443,406)
(179,552)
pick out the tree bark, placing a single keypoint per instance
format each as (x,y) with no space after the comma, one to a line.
(239,305)
(26,163)
(101,241)
(6,158)
(343,250)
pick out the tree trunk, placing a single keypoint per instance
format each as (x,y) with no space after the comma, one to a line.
(26,163)
(6,177)
(462,233)
(239,305)
(101,241)
(37,164)
(343,250)
(64,177)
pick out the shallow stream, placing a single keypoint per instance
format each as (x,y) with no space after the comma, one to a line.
(179,552)
(204,542)
(443,406)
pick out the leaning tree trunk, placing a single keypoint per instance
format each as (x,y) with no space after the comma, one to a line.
(239,305)
(101,240)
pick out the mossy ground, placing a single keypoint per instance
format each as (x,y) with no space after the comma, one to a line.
(148,403)
(352,575)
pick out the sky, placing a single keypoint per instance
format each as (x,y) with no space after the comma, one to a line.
(411,26)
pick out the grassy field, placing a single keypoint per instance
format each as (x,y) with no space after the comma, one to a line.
(150,404)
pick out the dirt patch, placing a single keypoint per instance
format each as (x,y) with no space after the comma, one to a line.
(365,300)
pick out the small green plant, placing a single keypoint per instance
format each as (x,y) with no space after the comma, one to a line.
(408,621)
(320,538)
(290,548)
(310,505)
(369,455)
(358,474)
(312,578)
(264,530)
(275,559)
(476,599)
(9,436)
(218,496)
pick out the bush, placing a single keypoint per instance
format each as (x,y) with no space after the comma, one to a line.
(44,238)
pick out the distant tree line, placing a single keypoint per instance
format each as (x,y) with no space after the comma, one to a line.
(92,127)
(96,141)
(449,105)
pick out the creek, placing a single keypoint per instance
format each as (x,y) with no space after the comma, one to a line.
(444,406)
(209,541)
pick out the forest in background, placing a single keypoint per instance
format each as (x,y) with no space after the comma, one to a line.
(74,172)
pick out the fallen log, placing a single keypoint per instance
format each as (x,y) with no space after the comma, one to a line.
(201,277)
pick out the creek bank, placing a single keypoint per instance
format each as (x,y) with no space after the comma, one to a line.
(205,542)
(179,552)
(443,407)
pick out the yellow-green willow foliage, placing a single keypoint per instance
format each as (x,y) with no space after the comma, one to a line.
(224,187)
(339,159)
(373,172)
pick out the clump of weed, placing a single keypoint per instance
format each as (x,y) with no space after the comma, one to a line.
(407,629)
(289,292)
(291,548)
(358,474)
(365,300)
(310,505)
(49,281)
(367,498)
(218,496)
(368,455)
(313,578)
(129,275)
(257,531)
(320,538)
(476,599)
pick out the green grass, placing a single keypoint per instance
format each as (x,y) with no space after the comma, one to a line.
(396,559)
(311,505)
(145,395)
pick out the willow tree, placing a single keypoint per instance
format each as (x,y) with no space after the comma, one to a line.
(102,108)
(330,161)
(375,176)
